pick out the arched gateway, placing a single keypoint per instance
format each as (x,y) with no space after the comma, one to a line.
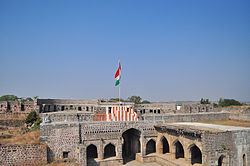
(131,144)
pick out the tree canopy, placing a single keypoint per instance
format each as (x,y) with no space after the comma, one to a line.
(204,101)
(228,102)
(135,99)
(31,118)
(14,98)
(145,102)
(8,98)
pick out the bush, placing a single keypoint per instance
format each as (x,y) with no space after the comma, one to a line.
(204,101)
(228,102)
(38,121)
(31,118)
(35,127)
(145,102)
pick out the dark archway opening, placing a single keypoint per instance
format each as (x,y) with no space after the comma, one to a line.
(22,107)
(150,147)
(220,161)
(79,108)
(91,151)
(131,144)
(165,145)
(196,156)
(8,106)
(91,155)
(109,151)
(179,151)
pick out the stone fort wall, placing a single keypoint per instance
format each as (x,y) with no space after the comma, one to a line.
(62,138)
(55,105)
(230,146)
(206,117)
(23,155)
(238,114)
(67,138)
(16,106)
(155,108)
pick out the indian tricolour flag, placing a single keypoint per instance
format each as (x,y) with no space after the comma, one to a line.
(118,75)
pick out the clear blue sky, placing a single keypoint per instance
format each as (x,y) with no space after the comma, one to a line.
(169,49)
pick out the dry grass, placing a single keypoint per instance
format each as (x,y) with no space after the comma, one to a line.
(240,107)
(22,117)
(27,138)
(230,123)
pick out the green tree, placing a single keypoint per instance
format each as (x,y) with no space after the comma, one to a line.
(204,101)
(31,118)
(8,98)
(29,99)
(135,99)
(145,102)
(228,102)
(35,97)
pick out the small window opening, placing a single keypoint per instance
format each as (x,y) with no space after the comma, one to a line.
(8,106)
(65,155)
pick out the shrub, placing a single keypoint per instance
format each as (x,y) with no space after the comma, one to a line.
(31,118)
(204,101)
(223,146)
(228,102)
(38,121)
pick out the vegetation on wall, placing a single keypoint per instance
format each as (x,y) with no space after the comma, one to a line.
(228,102)
(33,120)
(14,98)
(133,99)
(116,100)
(137,100)
(204,101)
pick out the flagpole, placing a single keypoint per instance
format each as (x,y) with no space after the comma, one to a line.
(119,95)
(120,85)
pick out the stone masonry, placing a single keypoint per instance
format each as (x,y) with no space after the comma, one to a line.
(22,155)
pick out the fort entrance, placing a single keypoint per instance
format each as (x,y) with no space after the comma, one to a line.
(131,144)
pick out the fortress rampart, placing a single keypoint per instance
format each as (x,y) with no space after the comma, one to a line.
(23,155)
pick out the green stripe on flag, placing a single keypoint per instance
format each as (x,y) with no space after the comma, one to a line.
(117,82)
